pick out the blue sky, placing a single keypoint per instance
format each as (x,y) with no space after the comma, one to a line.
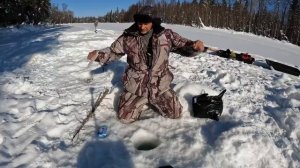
(94,7)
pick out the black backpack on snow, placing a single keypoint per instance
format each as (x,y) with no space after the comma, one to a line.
(205,106)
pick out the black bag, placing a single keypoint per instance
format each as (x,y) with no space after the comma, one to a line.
(205,106)
(223,53)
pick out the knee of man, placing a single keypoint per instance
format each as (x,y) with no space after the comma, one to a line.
(174,114)
(126,121)
(177,116)
(123,119)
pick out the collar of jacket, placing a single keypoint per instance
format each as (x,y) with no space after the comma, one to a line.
(133,30)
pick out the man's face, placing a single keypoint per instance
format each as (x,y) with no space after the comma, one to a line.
(144,27)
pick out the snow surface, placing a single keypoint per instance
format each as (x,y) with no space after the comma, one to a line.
(46,90)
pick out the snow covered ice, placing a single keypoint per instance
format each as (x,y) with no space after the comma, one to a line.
(46,89)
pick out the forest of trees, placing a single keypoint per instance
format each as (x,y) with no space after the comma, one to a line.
(16,12)
(278,19)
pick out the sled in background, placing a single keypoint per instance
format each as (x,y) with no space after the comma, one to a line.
(283,67)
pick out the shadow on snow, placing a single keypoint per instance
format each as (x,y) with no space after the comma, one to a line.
(16,49)
(104,154)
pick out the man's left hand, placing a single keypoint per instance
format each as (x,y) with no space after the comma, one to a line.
(198,46)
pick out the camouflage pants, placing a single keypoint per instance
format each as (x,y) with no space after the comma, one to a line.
(130,106)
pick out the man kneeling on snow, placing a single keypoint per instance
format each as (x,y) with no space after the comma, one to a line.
(147,78)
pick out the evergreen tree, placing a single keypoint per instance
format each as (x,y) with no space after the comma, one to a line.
(14,12)
(293,22)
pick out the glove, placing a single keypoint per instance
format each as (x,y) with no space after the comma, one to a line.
(93,55)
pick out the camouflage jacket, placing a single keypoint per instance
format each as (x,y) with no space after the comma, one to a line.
(140,78)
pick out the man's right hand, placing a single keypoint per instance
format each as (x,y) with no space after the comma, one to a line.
(198,46)
(93,55)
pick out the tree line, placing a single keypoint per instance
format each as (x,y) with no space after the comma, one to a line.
(278,19)
(17,12)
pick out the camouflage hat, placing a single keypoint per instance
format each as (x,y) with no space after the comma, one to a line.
(145,15)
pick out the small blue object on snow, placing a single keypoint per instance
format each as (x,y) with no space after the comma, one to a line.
(102,131)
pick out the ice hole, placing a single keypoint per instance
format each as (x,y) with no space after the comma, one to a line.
(143,140)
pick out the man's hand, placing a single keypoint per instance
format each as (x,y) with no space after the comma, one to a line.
(198,46)
(93,55)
